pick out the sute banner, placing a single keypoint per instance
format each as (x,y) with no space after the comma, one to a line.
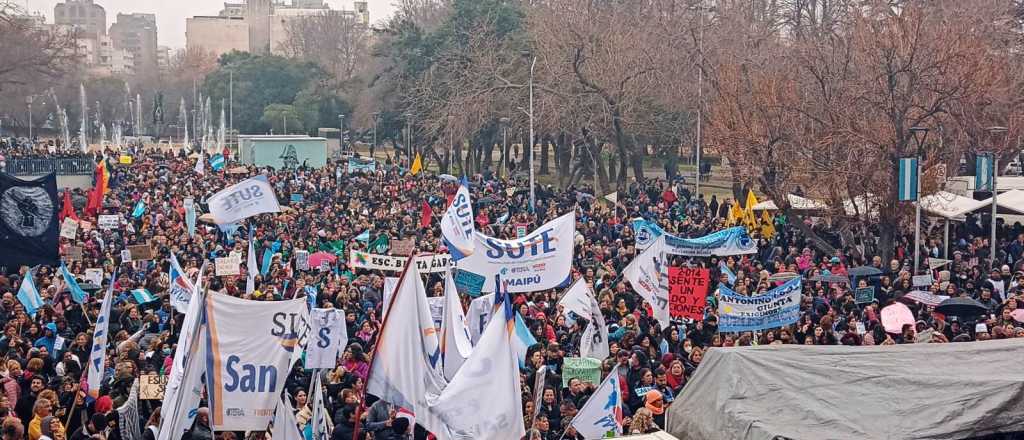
(541,260)
(687,292)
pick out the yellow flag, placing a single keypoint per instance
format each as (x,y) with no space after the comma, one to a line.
(417,165)
(751,200)
(749,218)
(735,214)
(767,225)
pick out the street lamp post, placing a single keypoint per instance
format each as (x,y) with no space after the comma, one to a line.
(408,137)
(373,146)
(504,145)
(920,134)
(533,194)
(995,130)
(29,102)
(341,133)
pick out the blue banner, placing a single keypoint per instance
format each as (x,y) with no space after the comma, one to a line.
(361,166)
(983,173)
(731,241)
(775,308)
(908,179)
(646,232)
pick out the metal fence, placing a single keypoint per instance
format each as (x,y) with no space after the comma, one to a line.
(63,166)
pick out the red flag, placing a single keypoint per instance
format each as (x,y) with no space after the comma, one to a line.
(95,202)
(69,209)
(426,215)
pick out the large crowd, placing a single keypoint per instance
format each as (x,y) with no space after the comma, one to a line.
(41,394)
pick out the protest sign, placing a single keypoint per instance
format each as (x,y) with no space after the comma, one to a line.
(227,266)
(425,263)
(296,198)
(125,159)
(521,229)
(106,222)
(358,165)
(687,292)
(74,253)
(468,283)
(775,308)
(922,280)
(864,295)
(538,261)
(585,369)
(86,226)
(126,256)
(152,386)
(403,247)
(94,275)
(69,228)
(141,252)
(302,260)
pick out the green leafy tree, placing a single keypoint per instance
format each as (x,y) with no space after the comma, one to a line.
(283,118)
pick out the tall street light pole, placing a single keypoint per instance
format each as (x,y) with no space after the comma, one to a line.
(504,146)
(533,194)
(996,130)
(373,146)
(700,94)
(29,102)
(920,135)
(341,133)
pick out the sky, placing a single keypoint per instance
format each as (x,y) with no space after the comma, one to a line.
(171,14)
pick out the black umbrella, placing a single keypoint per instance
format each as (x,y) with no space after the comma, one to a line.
(960,306)
(864,271)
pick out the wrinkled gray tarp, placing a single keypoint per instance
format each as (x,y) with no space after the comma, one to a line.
(914,391)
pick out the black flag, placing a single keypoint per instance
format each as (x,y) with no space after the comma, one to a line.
(28,221)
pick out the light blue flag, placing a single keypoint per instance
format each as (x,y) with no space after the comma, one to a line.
(311,293)
(142,296)
(503,219)
(364,237)
(190,220)
(983,173)
(140,209)
(229,231)
(268,256)
(523,340)
(728,273)
(217,162)
(29,295)
(77,294)
(908,179)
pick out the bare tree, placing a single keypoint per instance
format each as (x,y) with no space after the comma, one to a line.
(334,40)
(30,52)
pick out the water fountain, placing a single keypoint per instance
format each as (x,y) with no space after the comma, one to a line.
(222,130)
(83,135)
(183,121)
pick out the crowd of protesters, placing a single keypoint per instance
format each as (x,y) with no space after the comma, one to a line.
(41,394)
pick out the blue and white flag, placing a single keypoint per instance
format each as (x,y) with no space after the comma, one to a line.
(217,162)
(983,173)
(268,257)
(285,425)
(724,268)
(29,296)
(320,424)
(908,182)
(140,209)
(180,289)
(184,383)
(77,294)
(200,167)
(645,232)
(190,217)
(503,219)
(456,343)
(776,308)
(250,264)
(731,241)
(601,416)
(142,296)
(364,237)
(522,340)
(330,337)
(457,226)
(100,334)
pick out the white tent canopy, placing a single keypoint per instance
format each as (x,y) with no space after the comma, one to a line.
(951,206)
(1012,200)
(796,202)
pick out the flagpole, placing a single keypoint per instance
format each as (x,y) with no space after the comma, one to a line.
(373,358)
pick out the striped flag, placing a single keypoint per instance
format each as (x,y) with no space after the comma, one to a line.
(908,182)
(142,296)
(77,294)
(29,296)
(983,173)
(217,162)
(98,354)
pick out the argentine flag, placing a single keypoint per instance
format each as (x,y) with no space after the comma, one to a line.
(140,209)
(29,295)
(77,294)
(217,162)
(522,341)
(142,296)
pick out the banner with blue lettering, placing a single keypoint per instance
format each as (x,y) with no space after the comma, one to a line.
(251,347)
(775,308)
(242,200)
(457,225)
(731,241)
(330,337)
(540,260)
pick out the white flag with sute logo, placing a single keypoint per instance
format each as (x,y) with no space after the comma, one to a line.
(539,261)
(329,337)
(242,200)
